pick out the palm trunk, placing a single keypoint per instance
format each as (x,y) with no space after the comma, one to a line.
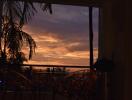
(91,36)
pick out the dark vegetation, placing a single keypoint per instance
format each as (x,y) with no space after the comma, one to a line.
(74,86)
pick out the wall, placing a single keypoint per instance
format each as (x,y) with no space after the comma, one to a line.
(115,42)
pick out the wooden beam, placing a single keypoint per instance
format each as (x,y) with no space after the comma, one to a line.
(95,3)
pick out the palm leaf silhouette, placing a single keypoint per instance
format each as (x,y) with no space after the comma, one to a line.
(16,14)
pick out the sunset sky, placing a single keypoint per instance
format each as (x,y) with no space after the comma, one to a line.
(62,38)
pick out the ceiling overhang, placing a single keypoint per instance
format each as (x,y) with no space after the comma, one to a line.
(95,3)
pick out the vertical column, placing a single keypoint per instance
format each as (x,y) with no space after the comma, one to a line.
(105,43)
(91,35)
(128,68)
(114,46)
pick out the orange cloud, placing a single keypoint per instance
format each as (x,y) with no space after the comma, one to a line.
(52,50)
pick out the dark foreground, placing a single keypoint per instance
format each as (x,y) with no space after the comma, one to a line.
(50,86)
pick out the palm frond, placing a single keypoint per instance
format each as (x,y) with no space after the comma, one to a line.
(30,42)
(12,9)
(27,12)
(46,7)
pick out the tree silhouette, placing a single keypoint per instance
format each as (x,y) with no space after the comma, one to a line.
(12,40)
(13,16)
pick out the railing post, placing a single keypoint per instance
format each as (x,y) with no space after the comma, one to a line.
(91,36)
(53,84)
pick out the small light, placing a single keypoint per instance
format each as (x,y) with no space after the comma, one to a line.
(0,81)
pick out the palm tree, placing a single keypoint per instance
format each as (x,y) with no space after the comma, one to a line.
(14,15)
(12,40)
